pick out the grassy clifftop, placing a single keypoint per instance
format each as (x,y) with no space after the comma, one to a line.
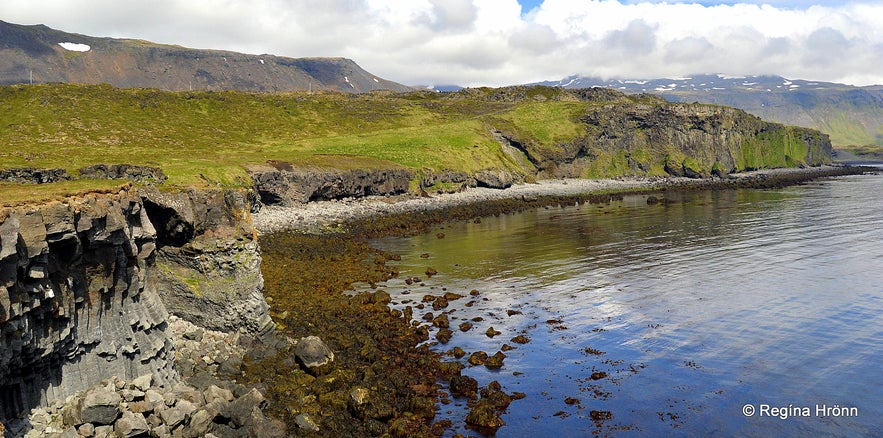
(206,138)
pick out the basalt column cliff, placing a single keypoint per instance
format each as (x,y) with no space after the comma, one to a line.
(87,285)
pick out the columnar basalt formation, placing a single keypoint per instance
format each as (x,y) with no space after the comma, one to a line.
(77,301)
(87,285)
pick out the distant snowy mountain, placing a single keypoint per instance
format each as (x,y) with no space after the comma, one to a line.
(440,88)
(850,115)
(698,83)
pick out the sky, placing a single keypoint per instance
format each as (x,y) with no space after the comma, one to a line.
(506,42)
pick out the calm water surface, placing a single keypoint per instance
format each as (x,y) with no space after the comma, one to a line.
(693,308)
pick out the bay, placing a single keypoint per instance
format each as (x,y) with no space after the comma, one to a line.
(692,309)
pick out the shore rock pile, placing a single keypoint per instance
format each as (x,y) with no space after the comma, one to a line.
(205,403)
(118,408)
(200,352)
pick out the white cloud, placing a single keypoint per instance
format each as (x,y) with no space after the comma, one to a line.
(489,42)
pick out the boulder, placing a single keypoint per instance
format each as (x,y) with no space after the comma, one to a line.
(312,352)
(130,425)
(201,422)
(240,410)
(484,416)
(259,426)
(214,393)
(464,386)
(143,382)
(100,406)
(177,414)
(306,422)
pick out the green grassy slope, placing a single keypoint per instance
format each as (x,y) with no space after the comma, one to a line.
(206,138)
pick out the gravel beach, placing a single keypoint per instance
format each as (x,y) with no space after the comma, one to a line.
(315,216)
(310,216)
(318,215)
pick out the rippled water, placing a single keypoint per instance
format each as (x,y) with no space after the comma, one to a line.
(694,308)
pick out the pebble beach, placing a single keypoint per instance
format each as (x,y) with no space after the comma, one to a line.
(319,215)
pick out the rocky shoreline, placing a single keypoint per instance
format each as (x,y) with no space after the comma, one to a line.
(384,379)
(207,402)
(329,216)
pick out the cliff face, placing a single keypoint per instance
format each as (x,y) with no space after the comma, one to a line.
(208,260)
(850,115)
(76,299)
(675,139)
(87,286)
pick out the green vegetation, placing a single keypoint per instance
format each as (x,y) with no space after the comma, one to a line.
(776,148)
(206,139)
(848,130)
(867,152)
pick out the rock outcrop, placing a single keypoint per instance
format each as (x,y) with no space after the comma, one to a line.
(283,184)
(76,299)
(208,260)
(131,172)
(29,175)
(87,286)
(656,138)
(450,181)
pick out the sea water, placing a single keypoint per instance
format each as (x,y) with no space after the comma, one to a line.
(734,312)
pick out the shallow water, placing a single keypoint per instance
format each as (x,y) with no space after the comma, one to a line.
(693,308)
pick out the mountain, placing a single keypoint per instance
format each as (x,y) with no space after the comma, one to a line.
(850,115)
(39,54)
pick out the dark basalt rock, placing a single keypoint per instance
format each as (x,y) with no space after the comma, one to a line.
(30,175)
(124,171)
(283,184)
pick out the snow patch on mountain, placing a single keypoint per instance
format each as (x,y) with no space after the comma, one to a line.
(75,47)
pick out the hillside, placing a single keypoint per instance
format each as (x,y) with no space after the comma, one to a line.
(39,54)
(852,116)
(209,139)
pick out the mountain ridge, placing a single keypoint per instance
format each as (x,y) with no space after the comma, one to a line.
(40,54)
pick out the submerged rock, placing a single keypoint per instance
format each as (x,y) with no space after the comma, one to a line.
(495,361)
(484,415)
(464,386)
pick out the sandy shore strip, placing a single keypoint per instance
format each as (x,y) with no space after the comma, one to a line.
(314,216)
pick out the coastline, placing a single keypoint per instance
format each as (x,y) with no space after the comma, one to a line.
(320,217)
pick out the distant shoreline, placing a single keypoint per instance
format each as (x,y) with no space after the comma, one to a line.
(323,216)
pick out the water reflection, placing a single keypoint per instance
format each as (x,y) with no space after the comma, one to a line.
(692,307)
